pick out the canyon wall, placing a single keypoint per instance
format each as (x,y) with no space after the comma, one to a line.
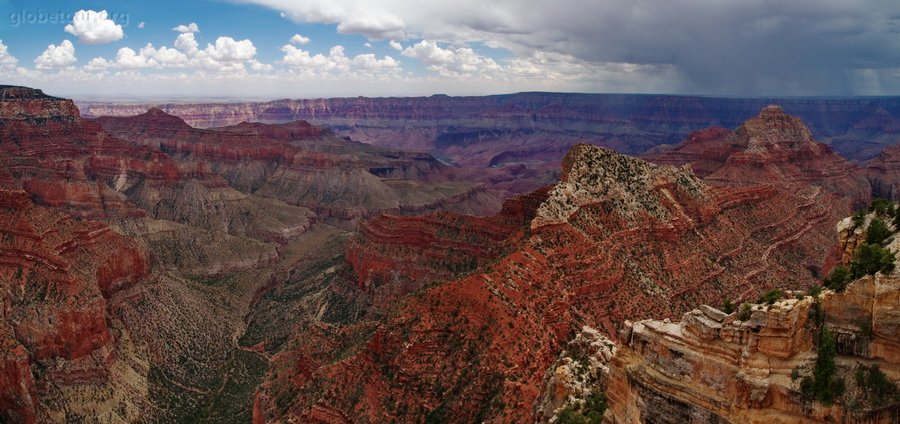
(617,238)
(541,127)
(749,365)
(713,367)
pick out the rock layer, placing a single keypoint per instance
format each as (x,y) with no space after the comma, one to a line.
(56,275)
(308,166)
(747,366)
(528,125)
(772,148)
(618,238)
(712,367)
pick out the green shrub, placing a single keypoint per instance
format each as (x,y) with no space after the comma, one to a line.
(882,207)
(824,384)
(728,306)
(876,388)
(870,259)
(807,391)
(817,313)
(838,279)
(571,414)
(815,291)
(745,312)
(771,296)
(859,217)
(877,232)
(589,412)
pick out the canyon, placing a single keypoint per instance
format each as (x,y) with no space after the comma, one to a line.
(513,143)
(135,254)
(246,262)
(538,128)
(616,238)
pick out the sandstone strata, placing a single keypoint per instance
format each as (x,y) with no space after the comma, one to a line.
(56,275)
(528,125)
(308,166)
(715,367)
(612,241)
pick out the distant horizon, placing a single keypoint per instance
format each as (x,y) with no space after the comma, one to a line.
(212,99)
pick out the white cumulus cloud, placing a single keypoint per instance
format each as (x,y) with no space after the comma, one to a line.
(55,56)
(225,56)
(336,62)
(93,27)
(451,60)
(187,43)
(299,39)
(146,57)
(227,49)
(369,62)
(7,61)
(192,27)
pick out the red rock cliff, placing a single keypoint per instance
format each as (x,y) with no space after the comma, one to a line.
(618,238)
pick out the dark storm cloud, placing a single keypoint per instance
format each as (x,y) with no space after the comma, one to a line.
(716,46)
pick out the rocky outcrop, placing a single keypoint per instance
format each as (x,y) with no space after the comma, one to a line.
(62,161)
(624,239)
(65,162)
(630,185)
(33,106)
(749,365)
(771,148)
(714,367)
(581,371)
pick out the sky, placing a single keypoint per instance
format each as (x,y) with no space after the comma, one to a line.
(264,49)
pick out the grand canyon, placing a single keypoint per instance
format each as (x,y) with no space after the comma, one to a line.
(290,272)
(392,212)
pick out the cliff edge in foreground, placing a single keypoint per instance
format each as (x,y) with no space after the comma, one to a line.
(832,356)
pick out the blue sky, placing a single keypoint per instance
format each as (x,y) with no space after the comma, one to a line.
(264,26)
(244,48)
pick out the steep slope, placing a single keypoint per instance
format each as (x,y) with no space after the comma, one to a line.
(617,238)
(60,359)
(747,366)
(191,335)
(884,173)
(392,255)
(65,162)
(110,322)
